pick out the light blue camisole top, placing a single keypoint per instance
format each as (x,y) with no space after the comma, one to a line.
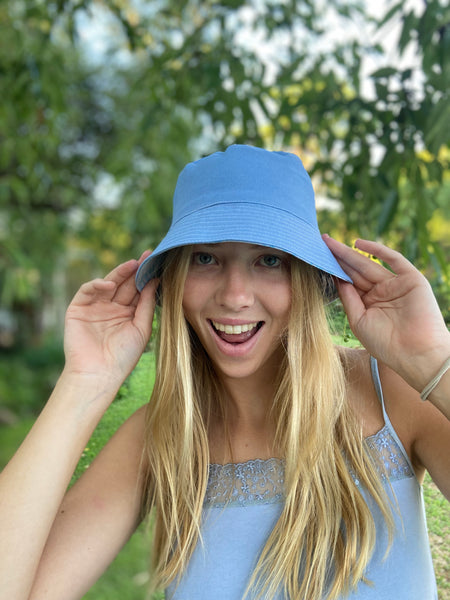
(244,501)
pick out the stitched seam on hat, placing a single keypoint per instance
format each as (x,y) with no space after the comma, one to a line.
(240,202)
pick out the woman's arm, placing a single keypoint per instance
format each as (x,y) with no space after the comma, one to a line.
(96,518)
(396,317)
(422,428)
(107,327)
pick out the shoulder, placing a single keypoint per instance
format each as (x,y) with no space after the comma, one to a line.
(361,391)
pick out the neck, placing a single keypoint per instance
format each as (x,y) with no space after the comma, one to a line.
(249,400)
(248,432)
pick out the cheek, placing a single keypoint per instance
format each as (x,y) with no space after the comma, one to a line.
(192,298)
(192,307)
(280,300)
(285,311)
(188,309)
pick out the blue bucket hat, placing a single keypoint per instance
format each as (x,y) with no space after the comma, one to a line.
(245,194)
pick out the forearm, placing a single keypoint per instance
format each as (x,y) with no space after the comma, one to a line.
(33,484)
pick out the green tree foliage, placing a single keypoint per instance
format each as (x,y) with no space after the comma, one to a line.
(90,145)
(47,156)
(70,138)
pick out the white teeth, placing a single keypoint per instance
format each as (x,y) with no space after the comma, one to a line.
(234,328)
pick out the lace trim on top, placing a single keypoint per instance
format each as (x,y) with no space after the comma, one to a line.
(262,481)
(242,484)
(385,448)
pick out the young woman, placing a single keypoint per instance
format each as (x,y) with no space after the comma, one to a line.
(276,465)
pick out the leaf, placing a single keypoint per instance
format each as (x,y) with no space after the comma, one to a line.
(383,73)
(410,22)
(389,208)
(441,258)
(437,132)
(406,74)
(390,14)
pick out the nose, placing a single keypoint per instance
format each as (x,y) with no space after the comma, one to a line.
(235,291)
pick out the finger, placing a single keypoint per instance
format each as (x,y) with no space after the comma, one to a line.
(396,261)
(135,300)
(97,290)
(143,317)
(359,281)
(122,272)
(352,302)
(144,255)
(359,267)
(126,293)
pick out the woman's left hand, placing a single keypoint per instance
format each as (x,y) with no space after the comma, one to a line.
(394,313)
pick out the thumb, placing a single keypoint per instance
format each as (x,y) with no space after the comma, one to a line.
(352,303)
(145,309)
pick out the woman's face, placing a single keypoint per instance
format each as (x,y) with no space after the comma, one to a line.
(237,298)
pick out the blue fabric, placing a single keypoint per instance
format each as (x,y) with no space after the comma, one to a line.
(250,195)
(243,503)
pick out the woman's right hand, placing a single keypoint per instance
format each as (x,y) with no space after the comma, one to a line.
(108,324)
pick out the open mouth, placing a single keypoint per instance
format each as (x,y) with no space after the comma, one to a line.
(236,334)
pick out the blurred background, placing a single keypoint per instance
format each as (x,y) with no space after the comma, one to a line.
(104,101)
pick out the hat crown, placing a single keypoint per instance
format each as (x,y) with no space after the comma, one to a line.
(245,194)
(245,174)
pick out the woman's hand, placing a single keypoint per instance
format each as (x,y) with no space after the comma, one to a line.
(393,313)
(108,324)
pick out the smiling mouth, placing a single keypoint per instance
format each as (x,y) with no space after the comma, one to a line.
(236,334)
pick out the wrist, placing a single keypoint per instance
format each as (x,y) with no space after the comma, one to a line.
(420,368)
(440,394)
(434,382)
(99,381)
(85,391)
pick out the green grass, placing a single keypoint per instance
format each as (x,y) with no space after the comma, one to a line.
(438,518)
(127,578)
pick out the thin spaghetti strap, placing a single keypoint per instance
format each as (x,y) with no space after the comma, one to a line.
(377,383)
(387,421)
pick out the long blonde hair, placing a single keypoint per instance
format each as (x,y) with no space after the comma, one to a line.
(325,535)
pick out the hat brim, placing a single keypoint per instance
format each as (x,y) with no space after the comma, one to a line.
(248,223)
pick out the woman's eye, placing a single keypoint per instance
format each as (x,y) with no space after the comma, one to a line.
(270,260)
(203,258)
